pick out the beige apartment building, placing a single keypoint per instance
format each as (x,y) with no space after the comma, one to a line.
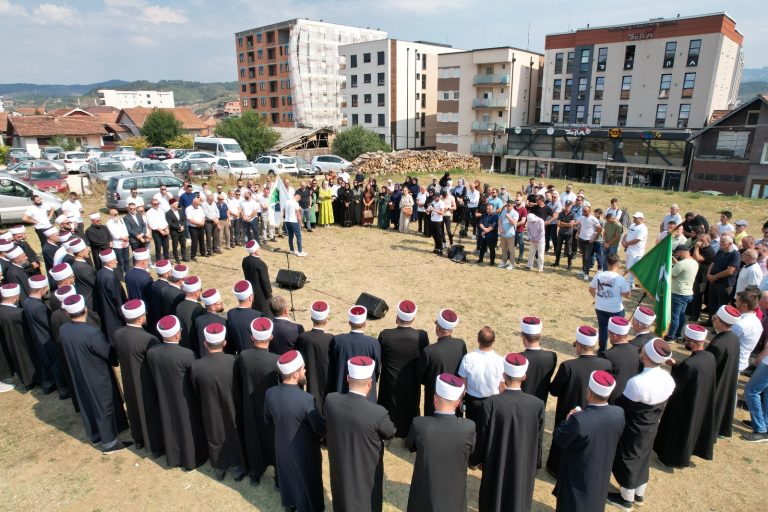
(480,93)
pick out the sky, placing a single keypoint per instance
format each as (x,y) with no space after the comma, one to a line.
(88,41)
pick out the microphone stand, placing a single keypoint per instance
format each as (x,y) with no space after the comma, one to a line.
(290,287)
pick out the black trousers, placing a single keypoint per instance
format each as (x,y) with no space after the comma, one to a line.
(161,242)
(436,228)
(473,406)
(423,221)
(210,230)
(585,246)
(470,218)
(447,228)
(179,239)
(487,244)
(550,235)
(198,242)
(719,295)
(235,232)
(563,242)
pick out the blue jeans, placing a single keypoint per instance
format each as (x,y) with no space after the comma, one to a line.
(305,218)
(609,251)
(756,396)
(294,229)
(602,327)
(676,323)
(520,243)
(598,255)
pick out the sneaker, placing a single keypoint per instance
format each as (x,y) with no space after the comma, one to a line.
(615,499)
(501,265)
(586,277)
(639,501)
(301,254)
(755,437)
(510,267)
(4,388)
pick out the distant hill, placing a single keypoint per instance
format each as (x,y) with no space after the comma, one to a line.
(44,91)
(754,75)
(749,89)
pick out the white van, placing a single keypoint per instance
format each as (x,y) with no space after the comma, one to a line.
(225,148)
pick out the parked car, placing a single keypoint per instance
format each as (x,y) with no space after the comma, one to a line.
(147,185)
(124,149)
(16,197)
(46,178)
(101,169)
(127,159)
(92,151)
(147,165)
(192,155)
(303,167)
(234,167)
(50,152)
(22,167)
(73,160)
(178,153)
(15,159)
(155,153)
(190,168)
(20,153)
(275,164)
(326,163)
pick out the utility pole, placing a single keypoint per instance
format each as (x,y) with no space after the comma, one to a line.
(493,146)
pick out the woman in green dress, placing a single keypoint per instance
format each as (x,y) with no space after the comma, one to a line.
(314,208)
(383,207)
(325,218)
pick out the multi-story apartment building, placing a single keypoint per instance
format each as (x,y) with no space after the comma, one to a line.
(289,72)
(481,93)
(663,73)
(132,99)
(391,89)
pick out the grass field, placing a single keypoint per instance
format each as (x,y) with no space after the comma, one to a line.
(48,465)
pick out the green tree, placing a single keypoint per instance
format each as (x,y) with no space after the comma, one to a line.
(62,141)
(357,140)
(183,141)
(161,126)
(250,131)
(137,143)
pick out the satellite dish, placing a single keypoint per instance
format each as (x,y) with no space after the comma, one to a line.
(550,131)
(518,130)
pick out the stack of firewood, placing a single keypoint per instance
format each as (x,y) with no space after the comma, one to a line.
(412,162)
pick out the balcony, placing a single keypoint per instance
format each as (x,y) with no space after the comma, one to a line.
(483,126)
(485,149)
(740,152)
(490,80)
(489,103)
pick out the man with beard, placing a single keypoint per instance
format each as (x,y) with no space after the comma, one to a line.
(50,246)
(239,319)
(256,272)
(39,214)
(98,237)
(541,363)
(17,273)
(348,345)
(286,331)
(157,306)
(213,304)
(137,279)
(443,356)
(725,347)
(12,330)
(19,234)
(314,346)
(624,358)
(109,295)
(188,310)
(85,274)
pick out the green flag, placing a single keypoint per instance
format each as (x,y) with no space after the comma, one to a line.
(653,272)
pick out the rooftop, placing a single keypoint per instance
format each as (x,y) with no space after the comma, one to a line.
(644,23)
(48,126)
(189,121)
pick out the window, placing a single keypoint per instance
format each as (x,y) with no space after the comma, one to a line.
(423,61)
(258,37)
(661,115)
(366,98)
(569,62)
(764,154)
(580,113)
(367,78)
(368,118)
(353,61)
(566,113)
(602,59)
(626,86)
(688,83)
(241,57)
(454,72)
(380,78)
(694,49)
(558,63)
(582,91)
(354,100)
(455,95)
(424,100)
(260,53)
(380,58)
(245,102)
(380,99)
(243,88)
(584,64)
(753,117)
(423,81)
(623,114)
(242,72)
(599,87)
(666,83)
(568,88)
(556,88)
(555,114)
(733,144)
(597,114)
(353,79)
(355,119)
(669,54)
(683,115)
(366,57)
(629,57)
(381,119)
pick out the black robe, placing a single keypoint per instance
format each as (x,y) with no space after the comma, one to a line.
(138,283)
(314,346)
(37,319)
(49,250)
(509,435)
(156,309)
(255,271)
(131,345)
(98,238)
(213,377)
(202,321)
(16,274)
(588,443)
(284,335)
(625,364)
(641,339)
(443,356)
(31,255)
(298,429)
(443,444)
(183,436)
(541,367)
(85,281)
(399,388)
(256,372)
(59,318)
(18,344)
(687,426)
(109,297)
(356,428)
(239,328)
(91,359)
(344,347)
(570,387)
(187,311)
(725,347)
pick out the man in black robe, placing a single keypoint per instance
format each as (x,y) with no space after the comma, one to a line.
(131,344)
(443,444)
(624,357)
(20,239)
(725,347)
(62,275)
(345,346)
(109,295)
(85,274)
(314,346)
(239,318)
(509,434)
(91,359)
(587,439)
(12,331)
(401,349)
(138,282)
(157,308)
(50,246)
(214,306)
(286,332)
(298,427)
(570,384)
(256,372)
(183,436)
(188,310)
(443,356)
(357,429)
(643,402)
(687,426)
(256,272)
(213,377)
(98,238)
(17,273)
(541,363)
(642,321)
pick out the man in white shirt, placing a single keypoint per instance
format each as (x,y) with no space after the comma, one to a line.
(119,233)
(615,209)
(249,213)
(73,207)
(634,242)
(724,226)
(750,273)
(158,226)
(436,211)
(235,226)
(196,220)
(748,328)
(568,195)
(162,198)
(135,198)
(211,228)
(343,174)
(672,216)
(267,223)
(588,228)
(39,214)
(609,289)
(482,371)
(293,225)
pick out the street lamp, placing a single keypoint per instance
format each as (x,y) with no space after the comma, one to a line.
(493,146)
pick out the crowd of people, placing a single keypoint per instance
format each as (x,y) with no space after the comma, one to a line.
(249,388)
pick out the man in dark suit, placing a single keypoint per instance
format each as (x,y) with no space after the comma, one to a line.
(85,273)
(346,346)
(642,320)
(239,318)
(314,345)
(137,228)
(138,282)
(256,272)
(286,332)
(177,224)
(443,356)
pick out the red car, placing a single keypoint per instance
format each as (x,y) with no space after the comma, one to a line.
(47,179)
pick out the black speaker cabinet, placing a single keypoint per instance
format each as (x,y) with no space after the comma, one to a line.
(290,279)
(376,307)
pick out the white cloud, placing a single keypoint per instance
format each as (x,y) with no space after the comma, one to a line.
(8,9)
(427,6)
(53,14)
(156,15)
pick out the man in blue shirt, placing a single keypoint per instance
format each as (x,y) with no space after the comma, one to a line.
(489,233)
(221,205)
(507,228)
(185,199)
(495,201)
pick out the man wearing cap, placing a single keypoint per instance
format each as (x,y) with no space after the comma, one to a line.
(16,272)
(345,346)
(643,402)
(157,307)
(356,429)
(177,225)
(482,371)
(39,214)
(541,363)
(443,356)
(138,282)
(256,372)
(642,320)
(256,272)
(740,232)
(169,364)
(443,444)
(131,345)
(609,289)
(214,306)
(588,440)
(98,237)
(62,275)
(188,310)
(109,295)
(91,360)
(570,386)
(49,246)
(7,245)
(13,333)
(85,274)
(286,332)
(721,275)
(314,346)
(239,318)
(298,427)
(401,349)
(634,241)
(725,347)
(213,377)
(20,238)
(509,434)
(63,253)
(687,426)
(624,358)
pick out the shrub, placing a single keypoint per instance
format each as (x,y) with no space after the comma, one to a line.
(357,140)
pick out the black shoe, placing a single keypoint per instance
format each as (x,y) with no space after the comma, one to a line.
(193,259)
(747,423)
(669,339)
(118,446)
(219,474)
(157,454)
(178,262)
(556,264)
(639,501)
(615,499)
(239,473)
(755,437)
(139,446)
(185,259)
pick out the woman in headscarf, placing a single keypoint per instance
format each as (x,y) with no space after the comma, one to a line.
(357,203)
(338,204)
(369,205)
(460,194)
(383,206)
(313,208)
(406,210)
(347,204)
(325,196)
(395,212)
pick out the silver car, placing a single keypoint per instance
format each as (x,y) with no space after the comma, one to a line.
(146,165)
(50,152)
(147,185)
(101,169)
(16,197)
(325,163)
